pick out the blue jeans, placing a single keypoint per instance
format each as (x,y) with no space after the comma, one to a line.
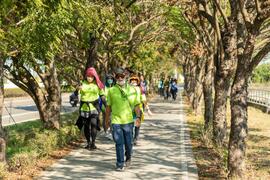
(122,135)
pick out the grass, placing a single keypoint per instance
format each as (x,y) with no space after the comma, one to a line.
(14,92)
(29,143)
(263,86)
(211,161)
(17,92)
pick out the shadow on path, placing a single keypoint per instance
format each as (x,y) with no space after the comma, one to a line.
(163,152)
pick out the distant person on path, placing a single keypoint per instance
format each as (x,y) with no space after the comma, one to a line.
(161,87)
(121,103)
(144,85)
(167,88)
(91,90)
(174,89)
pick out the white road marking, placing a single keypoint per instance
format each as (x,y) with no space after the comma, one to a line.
(183,158)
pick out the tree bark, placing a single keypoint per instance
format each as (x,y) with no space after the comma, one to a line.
(208,94)
(50,113)
(239,127)
(197,86)
(225,68)
(2,133)
(92,51)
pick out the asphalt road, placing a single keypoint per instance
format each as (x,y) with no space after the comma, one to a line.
(17,110)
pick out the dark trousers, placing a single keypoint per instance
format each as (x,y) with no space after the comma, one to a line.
(137,132)
(90,128)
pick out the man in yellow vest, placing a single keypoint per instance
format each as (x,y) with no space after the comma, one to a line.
(122,100)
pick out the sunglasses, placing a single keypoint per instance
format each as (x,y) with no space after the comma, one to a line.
(133,79)
(120,76)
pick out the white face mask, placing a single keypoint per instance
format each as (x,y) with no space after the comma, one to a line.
(133,83)
(121,82)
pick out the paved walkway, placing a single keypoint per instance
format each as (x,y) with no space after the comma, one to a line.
(163,152)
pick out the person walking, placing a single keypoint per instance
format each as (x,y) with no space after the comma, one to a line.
(91,90)
(135,82)
(109,82)
(161,87)
(174,89)
(121,101)
(167,88)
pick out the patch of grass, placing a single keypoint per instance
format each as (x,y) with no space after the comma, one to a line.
(209,159)
(29,141)
(263,86)
(212,161)
(258,144)
(17,92)
(14,92)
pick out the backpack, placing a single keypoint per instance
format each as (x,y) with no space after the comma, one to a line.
(174,87)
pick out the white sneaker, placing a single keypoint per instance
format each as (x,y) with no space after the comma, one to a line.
(109,136)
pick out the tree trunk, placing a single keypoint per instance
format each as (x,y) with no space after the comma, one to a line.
(51,109)
(208,94)
(2,133)
(193,82)
(225,68)
(92,51)
(239,93)
(47,98)
(239,128)
(197,86)
(219,113)
(187,78)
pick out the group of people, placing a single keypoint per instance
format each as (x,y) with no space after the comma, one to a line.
(121,101)
(168,88)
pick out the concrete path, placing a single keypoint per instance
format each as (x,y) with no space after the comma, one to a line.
(163,151)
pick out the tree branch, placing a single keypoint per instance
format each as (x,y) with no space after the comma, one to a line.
(259,56)
(208,17)
(257,4)
(245,15)
(138,26)
(226,21)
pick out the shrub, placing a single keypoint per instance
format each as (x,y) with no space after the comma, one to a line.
(29,141)
(3,170)
(23,160)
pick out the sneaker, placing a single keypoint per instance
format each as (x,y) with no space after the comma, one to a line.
(120,168)
(134,142)
(93,146)
(109,136)
(128,163)
(87,146)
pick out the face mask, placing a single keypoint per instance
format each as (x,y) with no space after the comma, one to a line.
(109,81)
(121,82)
(134,83)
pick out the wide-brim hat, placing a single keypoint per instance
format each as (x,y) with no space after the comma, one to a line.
(134,77)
